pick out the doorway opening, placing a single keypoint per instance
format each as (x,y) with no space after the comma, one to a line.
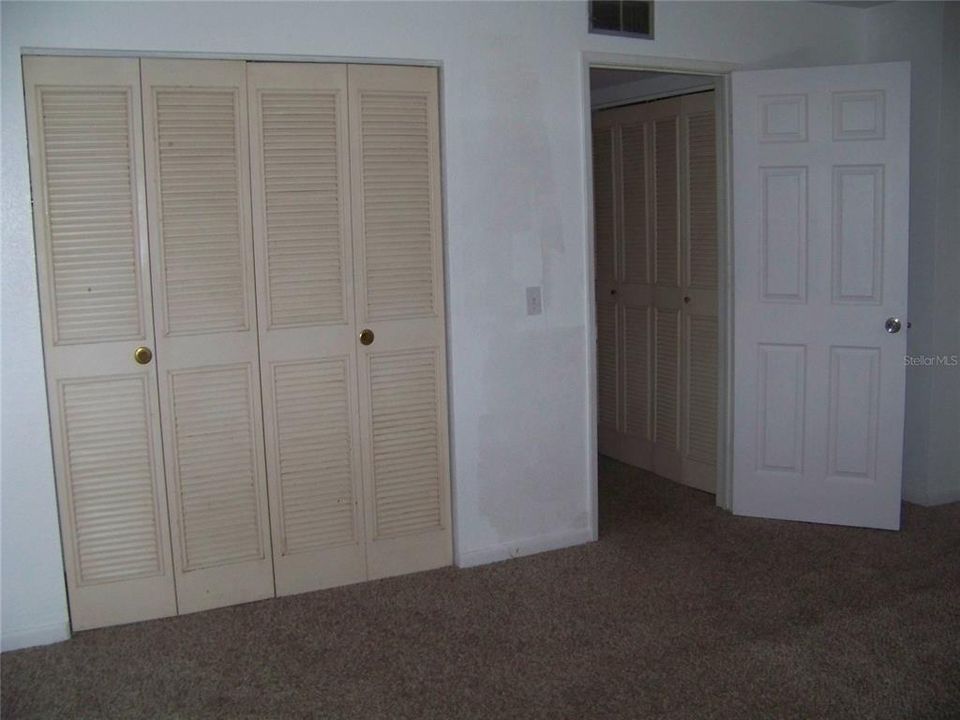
(657,152)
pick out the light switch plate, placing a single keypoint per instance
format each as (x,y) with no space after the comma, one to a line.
(534,301)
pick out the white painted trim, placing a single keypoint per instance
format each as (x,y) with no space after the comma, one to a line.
(250,57)
(528,546)
(617,61)
(455,521)
(725,316)
(721,73)
(30,637)
(593,521)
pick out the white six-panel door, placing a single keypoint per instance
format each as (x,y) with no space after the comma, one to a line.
(86,170)
(821,186)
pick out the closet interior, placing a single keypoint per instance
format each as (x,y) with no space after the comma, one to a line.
(655,239)
(241,284)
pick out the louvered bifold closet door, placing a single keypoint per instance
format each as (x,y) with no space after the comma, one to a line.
(700,281)
(622,142)
(197,158)
(664,117)
(607,265)
(635,289)
(301,222)
(398,256)
(86,168)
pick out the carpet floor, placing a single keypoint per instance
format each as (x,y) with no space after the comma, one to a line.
(679,611)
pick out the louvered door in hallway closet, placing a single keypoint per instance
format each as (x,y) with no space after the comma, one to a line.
(242,312)
(655,210)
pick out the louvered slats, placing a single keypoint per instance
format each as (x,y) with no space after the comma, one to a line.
(199,183)
(702,201)
(603,205)
(398,234)
(404,399)
(633,170)
(702,389)
(636,370)
(303,200)
(607,344)
(314,445)
(345,169)
(667,376)
(91,214)
(214,440)
(109,463)
(667,226)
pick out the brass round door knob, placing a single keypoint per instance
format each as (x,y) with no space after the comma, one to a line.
(366,337)
(142,355)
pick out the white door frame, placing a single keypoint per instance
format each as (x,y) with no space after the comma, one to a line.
(720,72)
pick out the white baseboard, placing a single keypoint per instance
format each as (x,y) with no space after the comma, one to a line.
(527,546)
(41,635)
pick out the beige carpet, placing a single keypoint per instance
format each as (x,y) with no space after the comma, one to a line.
(680,611)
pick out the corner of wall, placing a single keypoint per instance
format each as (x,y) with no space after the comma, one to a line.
(943,451)
(30,637)
(527,546)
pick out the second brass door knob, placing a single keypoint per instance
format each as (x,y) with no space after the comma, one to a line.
(366,337)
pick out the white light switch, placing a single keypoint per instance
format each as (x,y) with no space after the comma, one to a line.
(534,301)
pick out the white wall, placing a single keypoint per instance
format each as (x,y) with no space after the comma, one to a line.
(917,31)
(944,452)
(515,210)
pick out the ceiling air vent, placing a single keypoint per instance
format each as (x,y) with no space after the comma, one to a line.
(622,17)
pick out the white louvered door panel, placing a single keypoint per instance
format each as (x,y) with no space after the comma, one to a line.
(398,260)
(305,295)
(606,267)
(656,234)
(634,288)
(699,382)
(608,385)
(637,373)
(86,168)
(666,414)
(625,301)
(198,192)
(605,208)
(664,118)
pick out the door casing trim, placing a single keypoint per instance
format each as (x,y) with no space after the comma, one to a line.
(719,73)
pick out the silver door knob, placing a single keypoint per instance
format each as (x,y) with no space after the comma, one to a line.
(892,325)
